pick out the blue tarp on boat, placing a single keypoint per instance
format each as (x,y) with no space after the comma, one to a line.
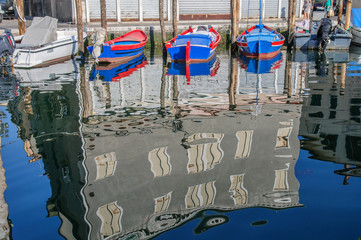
(195,39)
(356,17)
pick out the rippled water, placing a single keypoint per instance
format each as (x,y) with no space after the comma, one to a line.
(235,148)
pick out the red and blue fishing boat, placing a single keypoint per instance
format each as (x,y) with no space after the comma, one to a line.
(194,45)
(123,48)
(260,41)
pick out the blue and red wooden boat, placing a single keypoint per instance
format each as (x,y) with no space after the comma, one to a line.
(123,48)
(194,45)
(260,41)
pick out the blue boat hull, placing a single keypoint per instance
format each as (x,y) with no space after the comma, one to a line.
(108,55)
(261,48)
(260,41)
(194,45)
(197,53)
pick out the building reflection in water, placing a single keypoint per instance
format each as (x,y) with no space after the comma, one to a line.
(330,121)
(149,171)
(9,89)
(47,115)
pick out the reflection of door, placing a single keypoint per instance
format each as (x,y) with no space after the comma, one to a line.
(162,203)
(200,195)
(283,137)
(159,161)
(106,164)
(110,216)
(239,193)
(244,144)
(204,156)
(281,181)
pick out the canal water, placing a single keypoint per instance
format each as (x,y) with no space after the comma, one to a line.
(234,148)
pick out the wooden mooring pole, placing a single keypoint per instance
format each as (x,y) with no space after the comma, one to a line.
(234,20)
(292,4)
(234,83)
(103,13)
(348,14)
(340,9)
(161,20)
(79,24)
(175,17)
(162,28)
(21,16)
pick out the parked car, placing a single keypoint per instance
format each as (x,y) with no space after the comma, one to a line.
(7,9)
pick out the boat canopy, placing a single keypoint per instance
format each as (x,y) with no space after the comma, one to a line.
(356,17)
(194,39)
(41,31)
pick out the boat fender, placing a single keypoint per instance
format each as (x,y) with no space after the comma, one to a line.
(98,38)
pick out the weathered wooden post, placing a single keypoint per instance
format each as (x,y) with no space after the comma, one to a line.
(234,19)
(162,91)
(79,24)
(21,17)
(348,14)
(287,88)
(161,20)
(340,9)
(175,17)
(87,106)
(343,78)
(162,28)
(103,16)
(292,4)
(234,82)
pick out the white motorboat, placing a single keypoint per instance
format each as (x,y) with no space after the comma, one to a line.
(43,44)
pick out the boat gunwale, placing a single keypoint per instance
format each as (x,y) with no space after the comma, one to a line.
(212,45)
(115,47)
(47,46)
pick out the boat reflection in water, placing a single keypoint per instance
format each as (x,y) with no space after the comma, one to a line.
(149,173)
(260,66)
(209,68)
(48,78)
(113,72)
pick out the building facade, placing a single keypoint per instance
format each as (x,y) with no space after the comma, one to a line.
(148,10)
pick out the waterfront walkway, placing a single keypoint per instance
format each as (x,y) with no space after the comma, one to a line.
(116,27)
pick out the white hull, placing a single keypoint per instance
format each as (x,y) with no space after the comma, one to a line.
(60,50)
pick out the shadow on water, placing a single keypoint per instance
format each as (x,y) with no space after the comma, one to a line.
(141,150)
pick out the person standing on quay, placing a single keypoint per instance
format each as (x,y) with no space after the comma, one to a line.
(329,6)
(306,13)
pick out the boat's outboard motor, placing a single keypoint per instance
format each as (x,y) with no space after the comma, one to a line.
(323,33)
(7,47)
